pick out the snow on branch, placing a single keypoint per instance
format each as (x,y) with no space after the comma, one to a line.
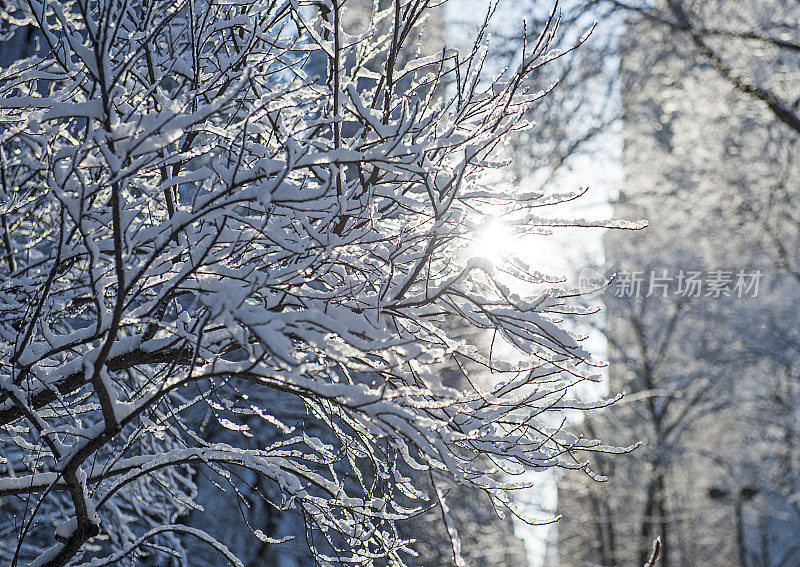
(228,212)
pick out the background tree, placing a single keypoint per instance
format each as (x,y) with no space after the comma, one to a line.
(707,94)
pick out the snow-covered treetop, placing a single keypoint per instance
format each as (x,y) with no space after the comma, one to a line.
(203,197)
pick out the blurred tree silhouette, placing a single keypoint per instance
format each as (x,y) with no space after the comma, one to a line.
(709,101)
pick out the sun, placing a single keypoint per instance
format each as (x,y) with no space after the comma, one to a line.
(494,241)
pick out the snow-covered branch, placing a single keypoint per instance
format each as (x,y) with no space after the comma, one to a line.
(230,208)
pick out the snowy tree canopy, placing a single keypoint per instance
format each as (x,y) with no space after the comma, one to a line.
(202,195)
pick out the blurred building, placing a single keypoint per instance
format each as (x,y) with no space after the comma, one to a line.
(709,363)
